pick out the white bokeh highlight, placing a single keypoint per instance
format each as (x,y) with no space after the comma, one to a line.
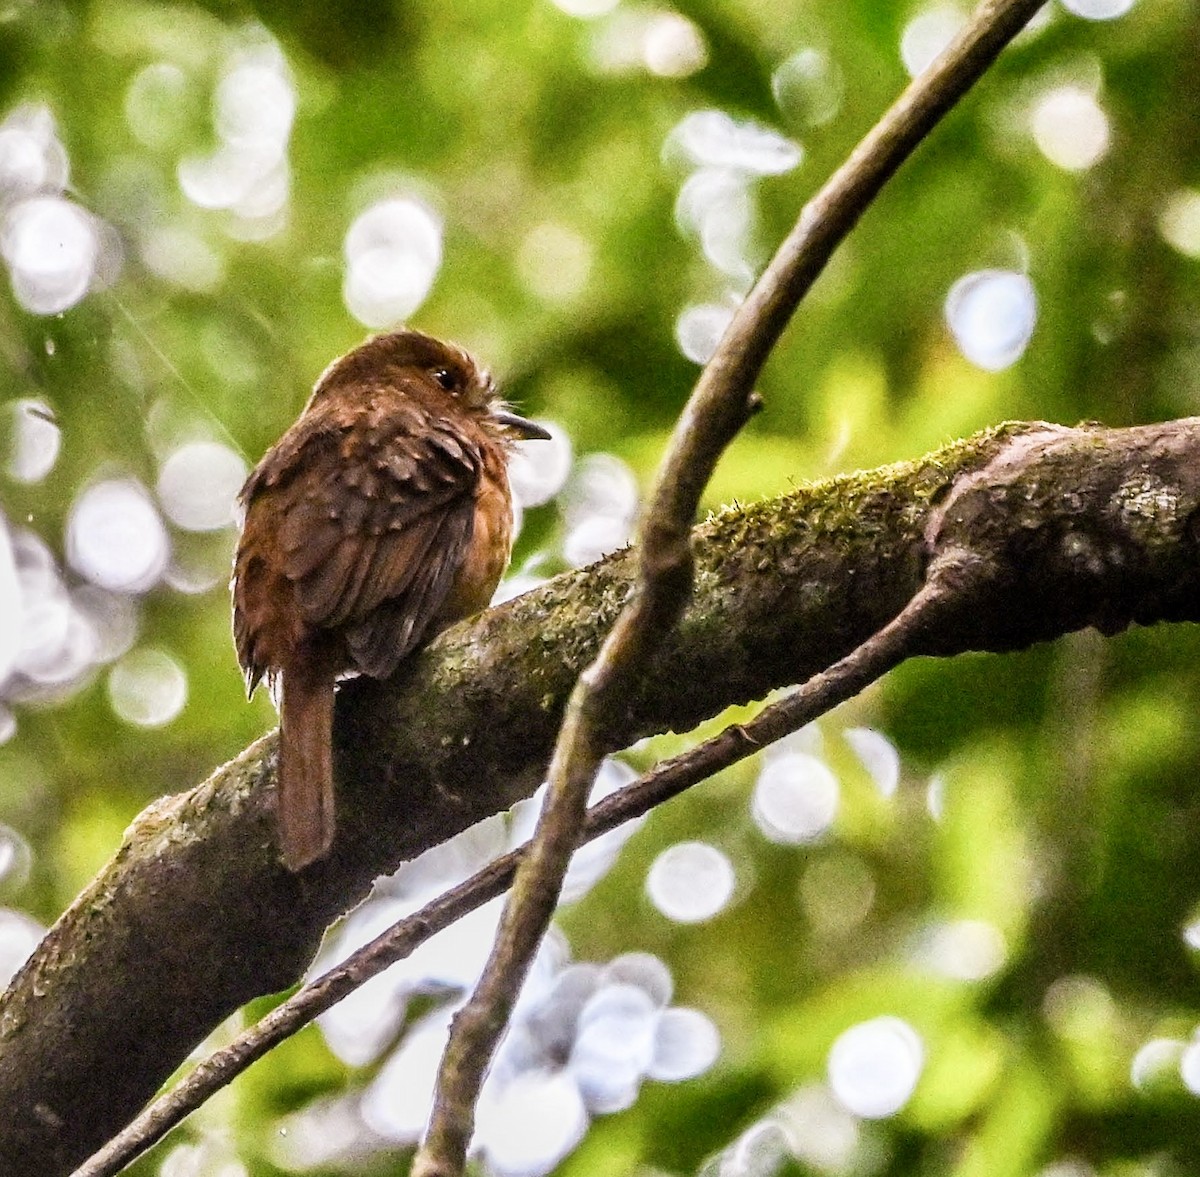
(32,159)
(34,440)
(247,173)
(12,612)
(1189,1066)
(714,139)
(686,1044)
(699,328)
(1179,221)
(614,1046)
(795,798)
(823,1133)
(672,46)
(115,537)
(992,314)
(1070,127)
(527,1126)
(393,252)
(760,1151)
(646,971)
(661,42)
(874,1067)
(47,651)
(538,470)
(927,34)
(19,936)
(599,505)
(147,688)
(809,87)
(878,755)
(935,796)
(963,950)
(398,1101)
(1155,1061)
(198,484)
(16,861)
(52,247)
(1098,9)
(725,158)
(360,1028)
(591,862)
(112,618)
(716,206)
(582,1040)
(55,250)
(691,882)
(1191,934)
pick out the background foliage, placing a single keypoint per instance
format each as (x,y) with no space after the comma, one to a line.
(1023,899)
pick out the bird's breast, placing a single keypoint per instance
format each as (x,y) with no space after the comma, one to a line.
(486,554)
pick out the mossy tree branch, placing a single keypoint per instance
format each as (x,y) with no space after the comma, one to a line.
(195,915)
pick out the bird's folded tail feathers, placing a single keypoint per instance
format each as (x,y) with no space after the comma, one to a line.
(305,786)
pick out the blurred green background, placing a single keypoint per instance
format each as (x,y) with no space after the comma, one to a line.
(202,204)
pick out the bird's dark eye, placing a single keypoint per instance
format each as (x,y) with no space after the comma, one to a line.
(446,379)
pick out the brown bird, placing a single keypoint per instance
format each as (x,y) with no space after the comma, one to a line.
(379,518)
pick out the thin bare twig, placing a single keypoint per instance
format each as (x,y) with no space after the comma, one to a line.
(824,691)
(717,409)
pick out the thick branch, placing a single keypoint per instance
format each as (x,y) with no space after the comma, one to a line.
(1080,526)
(951,575)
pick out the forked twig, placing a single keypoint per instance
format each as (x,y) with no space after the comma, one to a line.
(720,404)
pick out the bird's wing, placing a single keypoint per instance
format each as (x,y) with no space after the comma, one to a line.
(374,514)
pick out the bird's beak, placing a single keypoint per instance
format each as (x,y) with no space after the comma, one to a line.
(521,426)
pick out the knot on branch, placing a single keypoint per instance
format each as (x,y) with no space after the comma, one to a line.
(1072,528)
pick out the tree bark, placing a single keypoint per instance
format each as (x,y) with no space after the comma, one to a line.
(195,915)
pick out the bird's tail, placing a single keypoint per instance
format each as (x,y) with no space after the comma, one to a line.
(305,792)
